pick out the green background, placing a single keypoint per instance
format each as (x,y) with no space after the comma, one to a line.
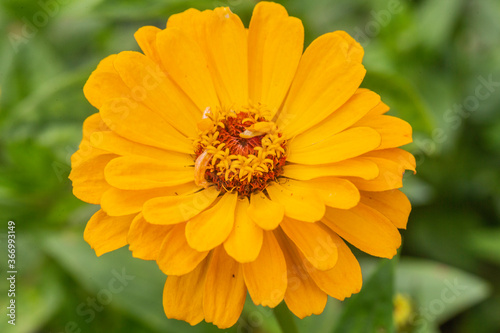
(430,60)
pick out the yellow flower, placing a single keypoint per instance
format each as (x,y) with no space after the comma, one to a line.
(240,163)
(402,311)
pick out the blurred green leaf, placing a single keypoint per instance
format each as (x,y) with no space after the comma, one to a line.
(418,191)
(372,309)
(439,291)
(26,114)
(257,319)
(483,20)
(436,20)
(483,318)
(142,281)
(37,303)
(37,296)
(492,136)
(486,244)
(402,98)
(325,322)
(29,185)
(285,318)
(434,232)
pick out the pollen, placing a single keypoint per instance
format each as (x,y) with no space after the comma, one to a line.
(238,150)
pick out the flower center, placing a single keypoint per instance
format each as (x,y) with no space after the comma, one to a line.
(238,151)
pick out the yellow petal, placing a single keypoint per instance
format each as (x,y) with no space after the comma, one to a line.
(354,167)
(88,179)
(178,208)
(145,239)
(381,108)
(400,156)
(266,213)
(314,242)
(245,240)
(185,63)
(89,186)
(188,21)
(183,295)
(394,132)
(85,153)
(104,83)
(392,204)
(266,277)
(275,43)
(113,143)
(329,73)
(348,114)
(86,150)
(139,173)
(335,192)
(106,65)
(342,280)
(303,297)
(225,290)
(365,228)
(212,227)
(105,233)
(146,38)
(223,42)
(116,202)
(391,164)
(135,122)
(226,46)
(92,124)
(390,177)
(176,257)
(342,146)
(300,203)
(151,86)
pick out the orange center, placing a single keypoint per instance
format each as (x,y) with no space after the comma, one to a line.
(241,152)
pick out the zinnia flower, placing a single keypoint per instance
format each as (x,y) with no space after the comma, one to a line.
(241,164)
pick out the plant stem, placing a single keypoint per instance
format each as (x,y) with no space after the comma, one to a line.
(285,319)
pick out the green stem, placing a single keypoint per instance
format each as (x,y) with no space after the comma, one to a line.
(285,319)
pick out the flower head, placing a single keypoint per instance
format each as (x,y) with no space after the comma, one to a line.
(240,163)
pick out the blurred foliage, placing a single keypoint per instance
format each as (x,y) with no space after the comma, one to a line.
(371,310)
(431,61)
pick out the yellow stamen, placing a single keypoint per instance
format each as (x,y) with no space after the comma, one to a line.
(219,155)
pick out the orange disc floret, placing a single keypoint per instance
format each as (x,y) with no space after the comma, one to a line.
(242,161)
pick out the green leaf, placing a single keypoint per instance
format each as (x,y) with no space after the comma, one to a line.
(255,318)
(38,292)
(138,292)
(486,244)
(27,112)
(436,20)
(439,292)
(285,319)
(325,322)
(29,185)
(429,231)
(39,301)
(372,309)
(403,99)
(491,136)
